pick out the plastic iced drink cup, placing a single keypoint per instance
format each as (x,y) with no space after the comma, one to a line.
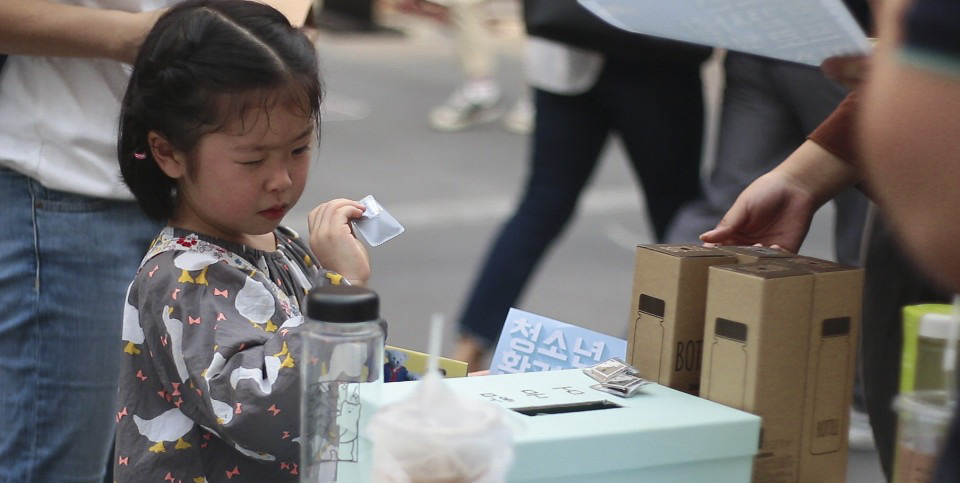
(436,436)
(923,420)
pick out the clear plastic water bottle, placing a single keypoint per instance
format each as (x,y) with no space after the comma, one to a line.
(341,371)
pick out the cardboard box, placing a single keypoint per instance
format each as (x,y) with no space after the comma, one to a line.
(665,340)
(835,319)
(572,433)
(781,343)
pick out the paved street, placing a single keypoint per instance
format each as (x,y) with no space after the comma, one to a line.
(453,190)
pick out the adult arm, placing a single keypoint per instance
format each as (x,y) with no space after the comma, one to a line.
(40,27)
(777,208)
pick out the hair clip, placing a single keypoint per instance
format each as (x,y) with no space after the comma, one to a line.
(141,155)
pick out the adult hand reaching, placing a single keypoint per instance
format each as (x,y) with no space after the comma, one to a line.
(773,210)
(777,208)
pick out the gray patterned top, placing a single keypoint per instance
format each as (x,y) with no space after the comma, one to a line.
(209,386)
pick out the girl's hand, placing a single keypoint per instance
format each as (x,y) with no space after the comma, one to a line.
(333,243)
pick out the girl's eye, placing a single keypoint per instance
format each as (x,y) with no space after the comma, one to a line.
(252,163)
(301,150)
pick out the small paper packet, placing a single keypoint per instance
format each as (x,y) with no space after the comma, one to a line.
(376,226)
(609,369)
(616,377)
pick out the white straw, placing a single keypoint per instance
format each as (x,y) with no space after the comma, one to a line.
(436,331)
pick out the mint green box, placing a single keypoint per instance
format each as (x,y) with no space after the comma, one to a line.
(659,435)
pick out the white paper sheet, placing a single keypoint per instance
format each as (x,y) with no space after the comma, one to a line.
(805,31)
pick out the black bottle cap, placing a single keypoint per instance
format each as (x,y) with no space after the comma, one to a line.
(343,303)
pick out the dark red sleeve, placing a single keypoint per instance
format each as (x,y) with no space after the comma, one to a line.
(837,134)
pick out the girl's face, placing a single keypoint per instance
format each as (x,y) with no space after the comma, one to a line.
(246,176)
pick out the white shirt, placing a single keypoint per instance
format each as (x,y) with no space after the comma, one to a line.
(561,69)
(58,116)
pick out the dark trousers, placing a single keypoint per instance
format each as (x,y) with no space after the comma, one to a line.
(655,108)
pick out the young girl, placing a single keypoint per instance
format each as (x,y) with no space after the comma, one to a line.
(215,135)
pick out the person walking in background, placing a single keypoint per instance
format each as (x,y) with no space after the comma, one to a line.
(654,104)
(477,99)
(73,236)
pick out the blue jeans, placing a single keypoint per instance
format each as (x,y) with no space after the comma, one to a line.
(65,263)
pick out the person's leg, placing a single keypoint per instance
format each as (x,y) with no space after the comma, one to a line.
(850,213)
(111,454)
(519,119)
(658,112)
(89,252)
(63,342)
(475,49)
(891,282)
(568,135)
(475,100)
(757,131)
(18,331)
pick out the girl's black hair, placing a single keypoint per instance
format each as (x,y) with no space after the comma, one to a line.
(203,62)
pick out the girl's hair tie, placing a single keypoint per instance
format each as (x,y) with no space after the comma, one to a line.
(141,155)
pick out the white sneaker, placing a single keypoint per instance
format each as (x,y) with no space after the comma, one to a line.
(519,119)
(471,104)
